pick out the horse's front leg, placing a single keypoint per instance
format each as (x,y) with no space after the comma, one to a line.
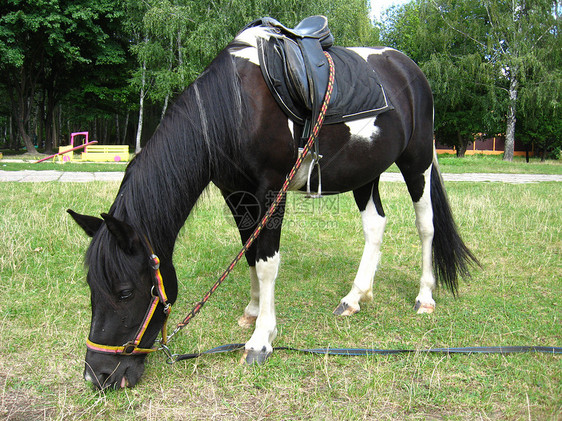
(245,210)
(252,310)
(259,347)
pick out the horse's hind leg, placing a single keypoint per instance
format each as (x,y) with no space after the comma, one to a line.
(420,192)
(374,221)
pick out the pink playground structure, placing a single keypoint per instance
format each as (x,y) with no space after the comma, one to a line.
(63,150)
(73,135)
(97,153)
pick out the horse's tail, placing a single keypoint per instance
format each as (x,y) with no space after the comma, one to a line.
(451,257)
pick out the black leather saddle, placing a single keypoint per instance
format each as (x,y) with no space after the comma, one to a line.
(296,71)
(301,52)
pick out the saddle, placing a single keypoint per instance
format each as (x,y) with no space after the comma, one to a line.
(301,51)
(296,71)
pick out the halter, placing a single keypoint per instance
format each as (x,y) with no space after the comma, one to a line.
(158,295)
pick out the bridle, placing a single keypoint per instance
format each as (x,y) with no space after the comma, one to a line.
(158,293)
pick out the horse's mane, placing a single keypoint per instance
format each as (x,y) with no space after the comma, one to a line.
(204,128)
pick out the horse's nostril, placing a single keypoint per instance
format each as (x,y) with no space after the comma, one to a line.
(99,381)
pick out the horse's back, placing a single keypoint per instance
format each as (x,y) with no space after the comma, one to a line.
(400,75)
(355,152)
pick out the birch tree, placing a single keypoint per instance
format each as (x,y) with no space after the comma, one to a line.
(488,61)
(512,36)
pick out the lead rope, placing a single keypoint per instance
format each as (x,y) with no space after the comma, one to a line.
(250,241)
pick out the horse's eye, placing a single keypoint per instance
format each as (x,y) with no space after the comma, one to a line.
(125,294)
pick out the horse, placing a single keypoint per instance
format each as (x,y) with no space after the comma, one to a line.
(227,129)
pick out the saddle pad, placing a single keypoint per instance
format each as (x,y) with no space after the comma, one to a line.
(357,91)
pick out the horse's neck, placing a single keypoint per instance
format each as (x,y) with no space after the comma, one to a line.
(157,202)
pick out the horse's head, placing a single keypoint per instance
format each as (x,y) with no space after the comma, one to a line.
(129,303)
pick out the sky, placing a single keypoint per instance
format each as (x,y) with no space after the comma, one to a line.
(379,6)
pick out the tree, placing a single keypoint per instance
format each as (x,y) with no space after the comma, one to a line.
(21,58)
(53,46)
(483,58)
(540,97)
(518,36)
(453,65)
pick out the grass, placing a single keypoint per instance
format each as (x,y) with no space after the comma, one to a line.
(495,164)
(448,164)
(69,166)
(515,230)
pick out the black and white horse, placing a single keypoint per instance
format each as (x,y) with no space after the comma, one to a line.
(227,129)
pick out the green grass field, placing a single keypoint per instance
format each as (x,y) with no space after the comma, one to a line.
(515,230)
(448,163)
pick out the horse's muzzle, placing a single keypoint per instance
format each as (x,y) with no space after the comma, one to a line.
(113,372)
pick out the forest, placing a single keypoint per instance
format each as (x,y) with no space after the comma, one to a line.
(113,67)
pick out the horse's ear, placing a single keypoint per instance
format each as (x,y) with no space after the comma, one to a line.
(90,224)
(125,235)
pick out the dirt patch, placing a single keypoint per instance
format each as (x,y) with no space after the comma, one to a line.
(19,404)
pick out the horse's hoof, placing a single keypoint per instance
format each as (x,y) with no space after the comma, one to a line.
(343,309)
(251,356)
(246,321)
(424,308)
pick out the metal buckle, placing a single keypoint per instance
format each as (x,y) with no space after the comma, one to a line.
(167,308)
(129,348)
(154,262)
(171,358)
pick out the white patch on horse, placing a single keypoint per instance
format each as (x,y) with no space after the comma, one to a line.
(364,129)
(266,323)
(424,224)
(291,127)
(250,36)
(365,52)
(252,309)
(89,378)
(373,230)
(248,53)
(301,177)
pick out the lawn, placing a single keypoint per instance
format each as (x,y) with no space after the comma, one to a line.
(8,165)
(448,164)
(515,230)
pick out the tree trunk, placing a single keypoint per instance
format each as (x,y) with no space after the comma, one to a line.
(27,141)
(117,131)
(141,109)
(53,143)
(50,121)
(125,127)
(11,137)
(41,118)
(511,117)
(105,131)
(21,114)
(165,107)
(462,144)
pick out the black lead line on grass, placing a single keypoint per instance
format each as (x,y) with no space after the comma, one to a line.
(357,352)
